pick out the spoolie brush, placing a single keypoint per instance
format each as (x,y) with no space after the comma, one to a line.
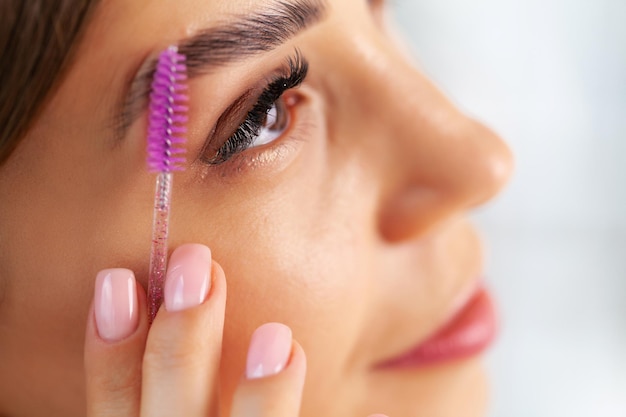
(167,120)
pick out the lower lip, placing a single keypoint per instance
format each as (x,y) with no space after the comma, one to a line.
(467,334)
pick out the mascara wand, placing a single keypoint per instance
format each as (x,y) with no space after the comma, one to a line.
(165,145)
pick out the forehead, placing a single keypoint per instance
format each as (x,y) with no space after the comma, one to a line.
(236,36)
(173,18)
(124,36)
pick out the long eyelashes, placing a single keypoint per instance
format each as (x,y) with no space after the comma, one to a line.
(295,73)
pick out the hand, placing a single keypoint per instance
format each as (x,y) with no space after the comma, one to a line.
(171,368)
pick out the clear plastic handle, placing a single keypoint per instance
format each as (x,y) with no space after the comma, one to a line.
(158,252)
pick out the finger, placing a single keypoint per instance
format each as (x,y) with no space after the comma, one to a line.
(182,354)
(114,343)
(275,372)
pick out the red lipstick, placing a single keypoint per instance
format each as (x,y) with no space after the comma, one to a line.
(469,332)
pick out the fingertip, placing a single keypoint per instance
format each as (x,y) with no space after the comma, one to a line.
(218,281)
(91,333)
(142,309)
(273,394)
(131,294)
(113,365)
(297,360)
(115,304)
(191,250)
(269,352)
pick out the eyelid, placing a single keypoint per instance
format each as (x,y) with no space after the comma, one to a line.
(230,120)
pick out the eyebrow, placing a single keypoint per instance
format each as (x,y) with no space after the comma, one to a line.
(242,37)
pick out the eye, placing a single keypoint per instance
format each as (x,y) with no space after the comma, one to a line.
(268,119)
(377,8)
(275,124)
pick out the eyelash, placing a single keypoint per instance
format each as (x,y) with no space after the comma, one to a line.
(248,131)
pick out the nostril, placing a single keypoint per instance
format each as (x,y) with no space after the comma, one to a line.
(410,213)
(466,166)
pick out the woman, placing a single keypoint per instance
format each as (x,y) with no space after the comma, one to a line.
(343,220)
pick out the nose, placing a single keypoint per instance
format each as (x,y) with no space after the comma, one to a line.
(445,166)
(430,160)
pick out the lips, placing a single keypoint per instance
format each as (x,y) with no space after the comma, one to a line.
(469,332)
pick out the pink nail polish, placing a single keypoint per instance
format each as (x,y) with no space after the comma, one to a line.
(188,277)
(115,304)
(270,349)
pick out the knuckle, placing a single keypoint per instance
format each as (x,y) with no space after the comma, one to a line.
(170,354)
(120,382)
(111,394)
(110,378)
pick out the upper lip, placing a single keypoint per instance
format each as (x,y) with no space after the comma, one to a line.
(457,305)
(422,325)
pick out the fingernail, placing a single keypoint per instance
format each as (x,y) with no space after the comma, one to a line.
(115,304)
(269,350)
(188,277)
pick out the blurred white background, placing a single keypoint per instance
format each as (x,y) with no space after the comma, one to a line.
(550,76)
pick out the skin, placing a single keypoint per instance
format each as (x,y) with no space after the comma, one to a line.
(350,228)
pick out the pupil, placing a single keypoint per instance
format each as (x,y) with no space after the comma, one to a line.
(271,117)
(276,117)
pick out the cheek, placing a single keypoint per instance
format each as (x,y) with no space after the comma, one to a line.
(292,254)
(69,214)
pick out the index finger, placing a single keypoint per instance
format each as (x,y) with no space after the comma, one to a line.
(182,357)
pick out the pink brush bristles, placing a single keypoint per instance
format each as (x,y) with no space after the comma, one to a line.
(165,150)
(167,114)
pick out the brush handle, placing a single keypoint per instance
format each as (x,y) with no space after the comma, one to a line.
(158,252)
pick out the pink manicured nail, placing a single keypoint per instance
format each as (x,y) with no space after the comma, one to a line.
(188,277)
(270,349)
(115,304)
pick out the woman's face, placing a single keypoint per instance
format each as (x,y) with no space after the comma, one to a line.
(344,219)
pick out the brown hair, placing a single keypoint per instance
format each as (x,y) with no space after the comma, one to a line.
(37,38)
